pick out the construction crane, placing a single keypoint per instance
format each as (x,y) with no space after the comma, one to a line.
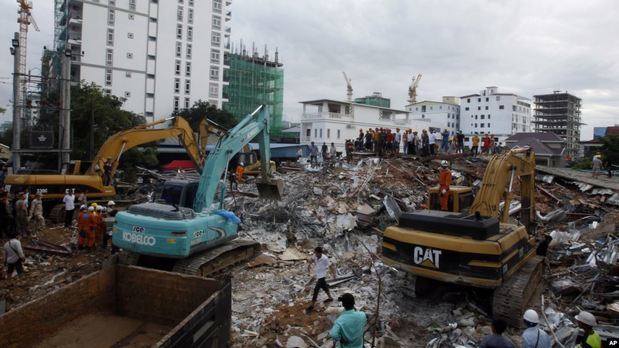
(412,89)
(348,87)
(19,50)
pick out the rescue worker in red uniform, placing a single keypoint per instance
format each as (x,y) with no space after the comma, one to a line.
(92,224)
(444,181)
(240,171)
(83,225)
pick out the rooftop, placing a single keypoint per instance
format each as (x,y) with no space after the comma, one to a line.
(315,101)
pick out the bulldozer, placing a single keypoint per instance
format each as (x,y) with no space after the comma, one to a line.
(478,247)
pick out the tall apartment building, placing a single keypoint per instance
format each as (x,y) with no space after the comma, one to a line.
(161,56)
(254,80)
(489,111)
(559,113)
(445,114)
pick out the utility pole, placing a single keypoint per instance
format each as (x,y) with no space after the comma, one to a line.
(17,101)
(65,114)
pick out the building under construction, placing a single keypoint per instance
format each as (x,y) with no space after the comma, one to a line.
(559,113)
(254,80)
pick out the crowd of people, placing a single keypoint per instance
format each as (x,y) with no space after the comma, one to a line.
(22,215)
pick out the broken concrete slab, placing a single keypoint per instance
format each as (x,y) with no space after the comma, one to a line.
(293,254)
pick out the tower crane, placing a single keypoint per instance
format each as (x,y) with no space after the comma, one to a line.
(348,87)
(412,89)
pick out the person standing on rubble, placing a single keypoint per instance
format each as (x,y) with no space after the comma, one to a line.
(533,336)
(83,225)
(349,327)
(397,141)
(36,214)
(497,340)
(432,142)
(321,265)
(313,154)
(21,215)
(240,171)
(445,143)
(596,165)
(332,152)
(413,143)
(444,181)
(14,256)
(591,339)
(6,216)
(324,150)
(424,143)
(69,207)
(475,145)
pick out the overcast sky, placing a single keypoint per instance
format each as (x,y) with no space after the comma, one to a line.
(460,47)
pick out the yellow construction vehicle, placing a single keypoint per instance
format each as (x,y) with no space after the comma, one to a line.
(53,186)
(478,248)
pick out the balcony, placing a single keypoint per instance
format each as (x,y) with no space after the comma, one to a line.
(322,115)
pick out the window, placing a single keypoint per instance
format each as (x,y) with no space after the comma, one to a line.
(177,67)
(129,55)
(130,35)
(179,31)
(186,103)
(127,94)
(466,108)
(189,33)
(179,48)
(177,85)
(440,107)
(217,6)
(487,99)
(188,51)
(315,133)
(308,132)
(475,125)
(498,98)
(213,92)
(190,2)
(216,22)
(109,56)
(179,13)
(513,107)
(110,37)
(486,107)
(176,101)
(338,133)
(501,107)
(108,77)
(320,133)
(180,1)
(131,16)
(214,74)
(328,133)
(482,117)
(479,100)
(187,86)
(481,125)
(128,74)
(488,116)
(132,5)
(188,69)
(190,15)
(215,56)
(479,108)
(215,39)
(468,100)
(110,16)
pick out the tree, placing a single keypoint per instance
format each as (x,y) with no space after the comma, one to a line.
(201,108)
(610,148)
(88,103)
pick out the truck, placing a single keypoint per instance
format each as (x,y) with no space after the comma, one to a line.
(123,305)
(197,235)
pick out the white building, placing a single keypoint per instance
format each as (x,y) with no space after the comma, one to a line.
(500,114)
(445,114)
(159,55)
(335,121)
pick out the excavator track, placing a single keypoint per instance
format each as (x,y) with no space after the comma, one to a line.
(512,298)
(218,259)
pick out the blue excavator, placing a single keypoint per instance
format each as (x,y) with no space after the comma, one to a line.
(186,230)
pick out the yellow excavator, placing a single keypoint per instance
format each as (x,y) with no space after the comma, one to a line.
(53,186)
(478,247)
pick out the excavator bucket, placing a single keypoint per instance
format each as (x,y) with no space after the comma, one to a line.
(271,189)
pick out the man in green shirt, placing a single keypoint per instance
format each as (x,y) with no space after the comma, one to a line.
(592,339)
(350,325)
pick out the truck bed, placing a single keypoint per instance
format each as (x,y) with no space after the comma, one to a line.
(124,306)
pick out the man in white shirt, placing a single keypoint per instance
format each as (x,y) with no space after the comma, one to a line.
(398,141)
(432,142)
(321,265)
(69,208)
(438,138)
(14,256)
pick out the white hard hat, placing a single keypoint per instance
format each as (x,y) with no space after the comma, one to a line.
(103,209)
(83,206)
(586,318)
(111,203)
(444,163)
(99,208)
(91,208)
(531,316)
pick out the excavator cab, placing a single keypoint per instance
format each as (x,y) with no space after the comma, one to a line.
(460,198)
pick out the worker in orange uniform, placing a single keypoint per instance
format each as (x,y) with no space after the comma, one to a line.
(92,224)
(240,170)
(83,225)
(99,228)
(444,181)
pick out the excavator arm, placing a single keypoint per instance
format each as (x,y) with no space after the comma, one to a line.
(120,142)
(498,182)
(256,123)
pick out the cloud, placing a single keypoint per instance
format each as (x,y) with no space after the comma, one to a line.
(528,47)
